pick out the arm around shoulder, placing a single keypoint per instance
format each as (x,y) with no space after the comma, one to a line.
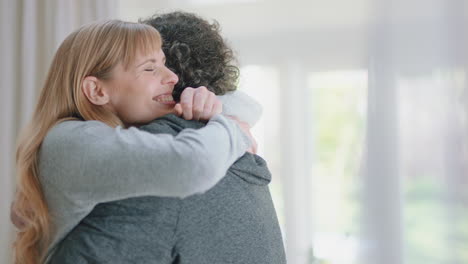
(92,162)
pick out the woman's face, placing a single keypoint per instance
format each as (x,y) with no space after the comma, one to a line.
(142,92)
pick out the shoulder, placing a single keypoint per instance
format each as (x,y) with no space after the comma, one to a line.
(77,127)
(71,131)
(170,124)
(75,135)
(245,107)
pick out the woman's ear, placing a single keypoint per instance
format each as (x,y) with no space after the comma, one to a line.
(94,91)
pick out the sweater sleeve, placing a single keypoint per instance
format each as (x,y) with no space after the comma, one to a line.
(241,105)
(90,162)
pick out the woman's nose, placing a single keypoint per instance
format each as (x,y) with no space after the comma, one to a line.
(171,77)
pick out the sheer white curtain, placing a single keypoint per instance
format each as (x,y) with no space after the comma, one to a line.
(415,177)
(30,32)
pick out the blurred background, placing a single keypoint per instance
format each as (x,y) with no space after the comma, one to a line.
(365,114)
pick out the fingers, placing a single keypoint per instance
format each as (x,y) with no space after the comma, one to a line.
(253,148)
(245,127)
(199,99)
(178,109)
(217,107)
(186,101)
(208,107)
(198,104)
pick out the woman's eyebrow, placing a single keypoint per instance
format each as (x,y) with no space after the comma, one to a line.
(148,60)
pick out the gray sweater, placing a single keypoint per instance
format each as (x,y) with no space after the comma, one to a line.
(84,163)
(234,222)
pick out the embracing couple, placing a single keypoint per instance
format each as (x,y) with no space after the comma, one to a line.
(139,151)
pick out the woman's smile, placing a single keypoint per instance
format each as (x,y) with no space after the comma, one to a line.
(166,99)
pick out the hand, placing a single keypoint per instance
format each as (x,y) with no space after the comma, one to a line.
(198,104)
(245,127)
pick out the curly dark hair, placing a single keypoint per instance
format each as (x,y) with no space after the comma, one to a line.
(196,52)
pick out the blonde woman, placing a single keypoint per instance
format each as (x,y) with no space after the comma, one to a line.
(80,148)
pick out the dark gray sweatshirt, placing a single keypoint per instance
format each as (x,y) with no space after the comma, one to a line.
(234,222)
(85,163)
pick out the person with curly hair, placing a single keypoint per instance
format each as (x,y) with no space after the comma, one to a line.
(233,222)
(197,52)
(199,55)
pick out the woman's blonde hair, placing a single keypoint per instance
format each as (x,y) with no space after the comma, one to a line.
(92,50)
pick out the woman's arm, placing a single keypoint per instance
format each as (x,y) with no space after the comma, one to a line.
(91,162)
